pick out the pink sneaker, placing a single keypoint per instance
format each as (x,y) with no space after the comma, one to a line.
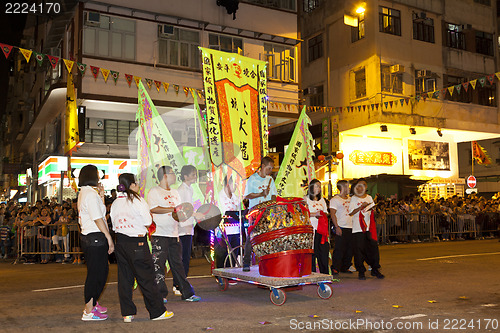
(101,309)
(94,315)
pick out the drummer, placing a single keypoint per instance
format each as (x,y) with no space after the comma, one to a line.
(260,187)
(228,201)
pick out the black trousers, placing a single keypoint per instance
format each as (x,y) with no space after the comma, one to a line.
(135,262)
(342,254)
(95,247)
(365,250)
(169,248)
(186,244)
(320,254)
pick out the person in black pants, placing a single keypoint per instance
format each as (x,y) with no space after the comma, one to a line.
(131,218)
(339,211)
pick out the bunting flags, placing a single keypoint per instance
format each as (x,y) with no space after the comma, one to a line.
(165,86)
(26,54)
(186,91)
(71,137)
(137,79)
(39,58)
(115,75)
(473,84)
(105,74)
(82,68)
(69,64)
(297,168)
(158,85)
(129,78)
(176,89)
(53,61)
(6,50)
(95,71)
(236,99)
(480,154)
(149,82)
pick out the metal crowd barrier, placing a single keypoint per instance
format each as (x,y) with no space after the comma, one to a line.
(52,242)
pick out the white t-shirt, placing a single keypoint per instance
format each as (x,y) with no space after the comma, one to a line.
(355,203)
(131,218)
(186,195)
(314,207)
(256,184)
(341,207)
(226,203)
(166,226)
(90,208)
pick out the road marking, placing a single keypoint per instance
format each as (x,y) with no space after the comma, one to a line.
(82,285)
(419,315)
(460,255)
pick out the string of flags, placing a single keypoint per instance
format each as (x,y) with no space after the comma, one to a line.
(95,70)
(106,73)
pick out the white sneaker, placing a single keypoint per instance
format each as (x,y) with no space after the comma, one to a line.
(128,319)
(165,315)
(352,269)
(176,291)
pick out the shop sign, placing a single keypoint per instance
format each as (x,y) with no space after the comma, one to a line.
(471,181)
(21,180)
(376,158)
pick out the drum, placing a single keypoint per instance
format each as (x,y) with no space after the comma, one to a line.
(282,237)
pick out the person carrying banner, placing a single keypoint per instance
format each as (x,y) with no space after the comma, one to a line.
(364,231)
(339,211)
(165,243)
(319,220)
(131,218)
(260,187)
(96,240)
(189,176)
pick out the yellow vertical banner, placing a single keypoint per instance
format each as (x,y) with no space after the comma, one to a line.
(72,136)
(236,100)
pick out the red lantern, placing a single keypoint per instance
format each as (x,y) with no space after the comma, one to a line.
(321,157)
(339,156)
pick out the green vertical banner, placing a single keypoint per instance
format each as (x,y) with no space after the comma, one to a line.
(325,136)
(297,168)
(335,134)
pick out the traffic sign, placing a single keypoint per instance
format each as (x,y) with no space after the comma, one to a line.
(471,181)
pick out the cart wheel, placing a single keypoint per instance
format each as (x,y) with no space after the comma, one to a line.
(324,291)
(277,296)
(223,283)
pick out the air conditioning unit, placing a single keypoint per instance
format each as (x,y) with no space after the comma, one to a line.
(92,19)
(96,123)
(424,73)
(165,30)
(397,69)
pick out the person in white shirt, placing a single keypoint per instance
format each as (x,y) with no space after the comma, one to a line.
(317,205)
(96,240)
(165,243)
(339,211)
(365,246)
(260,187)
(189,176)
(131,218)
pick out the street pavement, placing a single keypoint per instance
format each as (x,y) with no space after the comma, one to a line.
(429,287)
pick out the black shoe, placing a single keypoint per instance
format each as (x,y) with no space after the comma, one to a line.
(246,268)
(361,276)
(376,273)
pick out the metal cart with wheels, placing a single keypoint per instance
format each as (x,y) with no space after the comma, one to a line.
(276,285)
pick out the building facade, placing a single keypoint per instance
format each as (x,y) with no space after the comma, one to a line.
(408,80)
(152,40)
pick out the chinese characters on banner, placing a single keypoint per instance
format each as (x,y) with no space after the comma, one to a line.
(335,133)
(372,158)
(71,137)
(236,101)
(297,168)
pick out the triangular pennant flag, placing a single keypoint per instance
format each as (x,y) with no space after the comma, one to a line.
(407,100)
(192,90)
(359,107)
(149,82)
(352,108)
(373,106)
(82,68)
(473,84)
(417,98)
(412,100)
(429,94)
(200,94)
(105,74)
(186,91)
(386,104)
(458,87)
(450,89)
(401,101)
(436,93)
(69,64)
(497,75)
(115,75)
(482,80)
(26,54)
(390,103)
(95,71)
(376,106)
(6,49)
(137,79)
(39,58)
(176,89)
(491,78)
(129,78)
(364,107)
(158,85)
(53,61)
(465,85)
